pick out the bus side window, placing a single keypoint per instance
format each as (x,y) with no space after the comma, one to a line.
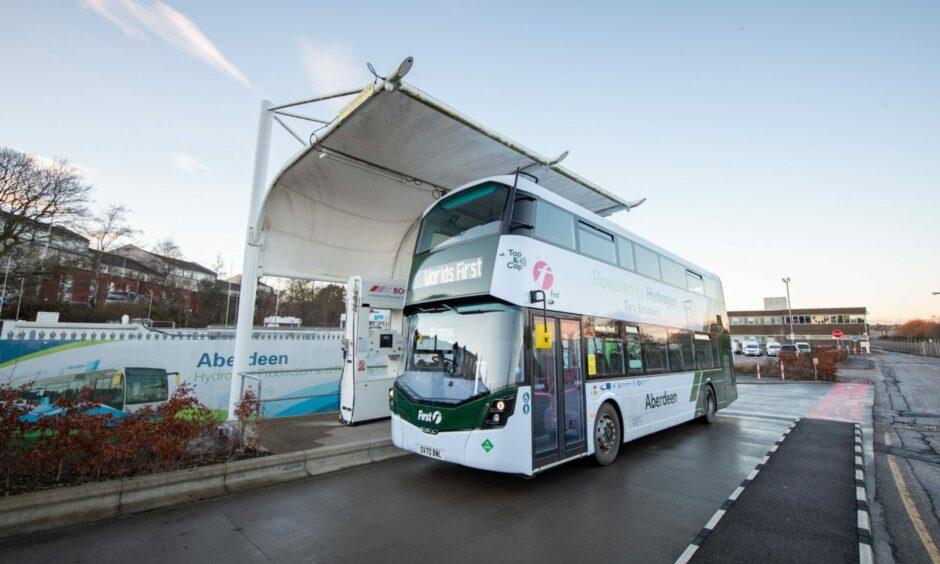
(604,348)
(680,350)
(106,393)
(704,355)
(654,349)
(633,351)
(716,348)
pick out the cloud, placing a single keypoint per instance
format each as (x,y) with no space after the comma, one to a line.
(50,163)
(135,18)
(186,163)
(331,68)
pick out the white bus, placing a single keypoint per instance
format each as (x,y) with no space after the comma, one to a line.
(537,332)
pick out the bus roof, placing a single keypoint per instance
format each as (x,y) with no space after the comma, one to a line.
(538,190)
(349,202)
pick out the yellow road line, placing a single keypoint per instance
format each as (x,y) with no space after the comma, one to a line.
(912,513)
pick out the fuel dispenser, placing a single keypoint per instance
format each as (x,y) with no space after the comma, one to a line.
(371,352)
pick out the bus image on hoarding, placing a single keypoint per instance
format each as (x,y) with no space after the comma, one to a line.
(115,390)
(538,332)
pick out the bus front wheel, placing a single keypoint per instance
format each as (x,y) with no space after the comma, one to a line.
(606,435)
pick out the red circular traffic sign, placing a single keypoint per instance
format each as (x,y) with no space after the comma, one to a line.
(837,333)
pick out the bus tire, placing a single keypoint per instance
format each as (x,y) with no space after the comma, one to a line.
(711,406)
(607,437)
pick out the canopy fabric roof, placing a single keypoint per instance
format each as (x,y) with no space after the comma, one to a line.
(350,202)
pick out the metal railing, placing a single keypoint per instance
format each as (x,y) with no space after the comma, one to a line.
(258,376)
(94,332)
(923,348)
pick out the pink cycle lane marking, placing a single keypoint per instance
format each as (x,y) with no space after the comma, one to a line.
(843,402)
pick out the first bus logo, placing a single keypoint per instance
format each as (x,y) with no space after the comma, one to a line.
(542,273)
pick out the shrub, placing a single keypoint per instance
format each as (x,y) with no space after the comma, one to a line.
(799,367)
(79,445)
(248,412)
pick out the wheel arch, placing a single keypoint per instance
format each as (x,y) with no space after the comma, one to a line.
(616,405)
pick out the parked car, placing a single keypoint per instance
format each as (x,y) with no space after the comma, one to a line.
(122,298)
(773,349)
(789,349)
(752,349)
(804,348)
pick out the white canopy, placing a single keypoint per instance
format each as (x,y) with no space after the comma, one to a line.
(349,202)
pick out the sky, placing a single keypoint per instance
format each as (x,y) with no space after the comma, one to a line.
(796,139)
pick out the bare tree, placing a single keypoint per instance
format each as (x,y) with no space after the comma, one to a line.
(169,249)
(218,266)
(35,195)
(106,229)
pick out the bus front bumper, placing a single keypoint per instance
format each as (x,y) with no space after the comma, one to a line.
(506,449)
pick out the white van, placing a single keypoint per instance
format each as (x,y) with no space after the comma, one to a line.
(752,348)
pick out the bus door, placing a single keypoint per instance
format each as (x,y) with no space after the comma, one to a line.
(558,422)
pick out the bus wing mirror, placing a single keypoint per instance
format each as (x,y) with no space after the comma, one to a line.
(177,374)
(523,213)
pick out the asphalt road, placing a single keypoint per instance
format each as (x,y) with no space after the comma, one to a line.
(907,458)
(646,507)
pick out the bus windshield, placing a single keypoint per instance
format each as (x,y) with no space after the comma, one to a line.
(146,385)
(458,353)
(469,214)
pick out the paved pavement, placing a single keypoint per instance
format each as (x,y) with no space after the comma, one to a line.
(647,506)
(292,434)
(907,458)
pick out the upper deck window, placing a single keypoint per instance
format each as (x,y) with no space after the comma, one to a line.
(647,262)
(673,272)
(554,225)
(469,214)
(695,282)
(596,243)
(625,251)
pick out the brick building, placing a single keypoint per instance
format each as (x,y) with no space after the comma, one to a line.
(813,326)
(56,264)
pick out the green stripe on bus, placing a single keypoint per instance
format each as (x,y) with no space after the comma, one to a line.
(52,350)
(696,384)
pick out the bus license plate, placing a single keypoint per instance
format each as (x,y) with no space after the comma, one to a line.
(431,452)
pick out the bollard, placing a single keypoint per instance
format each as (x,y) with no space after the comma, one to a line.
(783,375)
(758,372)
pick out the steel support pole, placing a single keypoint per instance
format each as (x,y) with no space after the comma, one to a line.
(3,296)
(250,265)
(789,310)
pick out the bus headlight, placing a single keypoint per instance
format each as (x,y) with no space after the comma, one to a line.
(499,412)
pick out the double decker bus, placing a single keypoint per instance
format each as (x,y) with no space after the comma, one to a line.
(537,332)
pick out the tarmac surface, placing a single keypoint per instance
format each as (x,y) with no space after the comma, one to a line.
(906,509)
(645,507)
(804,492)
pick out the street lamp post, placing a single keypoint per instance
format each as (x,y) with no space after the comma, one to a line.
(789,309)
(149,307)
(3,295)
